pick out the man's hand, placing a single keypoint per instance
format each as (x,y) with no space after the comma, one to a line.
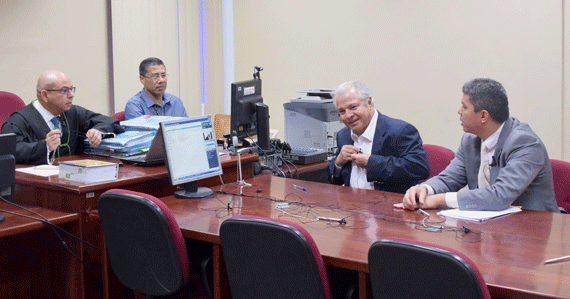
(416,198)
(53,139)
(94,137)
(347,154)
(361,159)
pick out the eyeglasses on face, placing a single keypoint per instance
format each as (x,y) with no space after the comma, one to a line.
(64,90)
(156,76)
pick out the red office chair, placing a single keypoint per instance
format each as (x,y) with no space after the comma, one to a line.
(403,268)
(119,115)
(561,178)
(271,258)
(438,158)
(10,103)
(146,248)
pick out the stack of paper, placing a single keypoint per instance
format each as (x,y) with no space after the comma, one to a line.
(477,215)
(146,122)
(125,144)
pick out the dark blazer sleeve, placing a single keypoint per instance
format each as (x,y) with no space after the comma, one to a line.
(400,155)
(342,139)
(81,120)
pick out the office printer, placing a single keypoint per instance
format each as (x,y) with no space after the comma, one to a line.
(312,121)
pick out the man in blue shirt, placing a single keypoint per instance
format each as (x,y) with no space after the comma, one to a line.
(153,100)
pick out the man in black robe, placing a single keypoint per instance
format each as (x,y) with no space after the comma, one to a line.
(52,126)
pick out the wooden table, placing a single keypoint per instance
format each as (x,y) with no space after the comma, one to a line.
(510,253)
(70,196)
(33,261)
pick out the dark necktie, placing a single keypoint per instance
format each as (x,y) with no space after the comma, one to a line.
(55,122)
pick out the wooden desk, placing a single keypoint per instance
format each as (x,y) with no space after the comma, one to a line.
(510,254)
(34,264)
(315,172)
(69,196)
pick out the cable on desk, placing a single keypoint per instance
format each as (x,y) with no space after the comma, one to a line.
(424,225)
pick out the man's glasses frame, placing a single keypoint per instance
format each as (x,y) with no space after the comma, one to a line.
(156,76)
(64,90)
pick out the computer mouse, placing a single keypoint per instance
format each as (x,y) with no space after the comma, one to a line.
(46,167)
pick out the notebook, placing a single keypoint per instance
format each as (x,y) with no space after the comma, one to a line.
(154,155)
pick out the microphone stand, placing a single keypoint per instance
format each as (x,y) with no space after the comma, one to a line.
(240,181)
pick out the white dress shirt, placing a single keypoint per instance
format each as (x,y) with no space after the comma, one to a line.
(364,142)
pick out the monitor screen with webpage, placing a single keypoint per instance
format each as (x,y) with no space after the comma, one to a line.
(191,154)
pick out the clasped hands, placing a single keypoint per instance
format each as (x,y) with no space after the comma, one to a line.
(351,153)
(53,138)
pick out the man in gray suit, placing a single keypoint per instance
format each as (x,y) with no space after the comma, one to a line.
(502,160)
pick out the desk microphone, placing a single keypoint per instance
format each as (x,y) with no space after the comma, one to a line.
(234,143)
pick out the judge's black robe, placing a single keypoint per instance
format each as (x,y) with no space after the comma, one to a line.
(31,130)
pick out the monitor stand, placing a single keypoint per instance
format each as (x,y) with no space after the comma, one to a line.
(191,190)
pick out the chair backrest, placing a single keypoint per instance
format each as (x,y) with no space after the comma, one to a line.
(438,158)
(272,258)
(561,178)
(10,103)
(119,115)
(145,244)
(403,268)
(222,125)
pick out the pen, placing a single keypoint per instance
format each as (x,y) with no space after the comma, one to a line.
(299,187)
(329,219)
(558,259)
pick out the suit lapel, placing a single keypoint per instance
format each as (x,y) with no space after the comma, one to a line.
(379,134)
(499,148)
(473,163)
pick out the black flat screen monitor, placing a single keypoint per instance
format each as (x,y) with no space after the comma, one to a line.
(7,167)
(250,117)
(191,154)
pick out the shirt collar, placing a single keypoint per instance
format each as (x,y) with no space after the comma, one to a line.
(491,142)
(149,102)
(369,132)
(46,115)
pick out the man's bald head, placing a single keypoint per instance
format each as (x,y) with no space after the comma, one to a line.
(49,80)
(49,91)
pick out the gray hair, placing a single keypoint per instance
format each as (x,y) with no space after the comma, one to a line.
(361,90)
(490,95)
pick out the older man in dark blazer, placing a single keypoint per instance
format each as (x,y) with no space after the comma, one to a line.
(52,126)
(374,150)
(500,159)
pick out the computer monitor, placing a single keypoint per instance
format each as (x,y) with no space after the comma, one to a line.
(191,154)
(250,116)
(7,167)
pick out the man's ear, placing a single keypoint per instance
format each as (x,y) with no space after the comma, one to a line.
(141,78)
(43,96)
(485,116)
